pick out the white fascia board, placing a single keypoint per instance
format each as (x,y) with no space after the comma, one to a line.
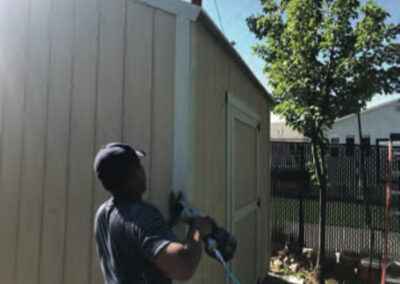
(176,7)
(183,163)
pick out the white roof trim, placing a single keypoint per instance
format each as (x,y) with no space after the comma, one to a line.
(177,7)
(182,179)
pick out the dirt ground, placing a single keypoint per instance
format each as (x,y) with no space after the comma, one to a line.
(272,280)
(342,273)
(348,271)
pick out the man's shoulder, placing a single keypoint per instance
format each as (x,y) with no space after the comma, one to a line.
(101,217)
(104,208)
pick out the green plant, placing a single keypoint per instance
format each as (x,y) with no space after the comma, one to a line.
(325,59)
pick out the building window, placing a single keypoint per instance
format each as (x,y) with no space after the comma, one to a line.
(335,140)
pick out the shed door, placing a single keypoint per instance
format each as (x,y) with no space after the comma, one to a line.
(243,189)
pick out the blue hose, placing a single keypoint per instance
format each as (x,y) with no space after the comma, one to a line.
(227,270)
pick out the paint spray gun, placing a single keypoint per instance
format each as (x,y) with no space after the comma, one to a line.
(220,244)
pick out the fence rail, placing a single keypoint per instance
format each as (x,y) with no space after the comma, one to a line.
(296,208)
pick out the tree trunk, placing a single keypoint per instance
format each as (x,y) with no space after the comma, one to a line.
(318,152)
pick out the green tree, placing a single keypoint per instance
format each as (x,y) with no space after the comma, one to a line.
(325,59)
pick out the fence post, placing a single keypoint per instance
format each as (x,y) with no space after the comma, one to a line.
(301,198)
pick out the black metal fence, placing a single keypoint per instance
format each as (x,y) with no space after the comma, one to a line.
(296,208)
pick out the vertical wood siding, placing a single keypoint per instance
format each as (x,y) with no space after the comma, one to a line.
(204,81)
(82,138)
(31,203)
(163,109)
(14,40)
(57,142)
(110,71)
(75,75)
(139,80)
(215,72)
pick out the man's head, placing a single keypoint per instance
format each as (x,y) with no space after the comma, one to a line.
(119,169)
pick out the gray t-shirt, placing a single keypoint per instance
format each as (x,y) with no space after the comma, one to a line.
(129,236)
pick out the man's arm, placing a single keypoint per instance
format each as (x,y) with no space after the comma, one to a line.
(180,261)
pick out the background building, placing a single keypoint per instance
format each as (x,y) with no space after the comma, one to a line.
(280,132)
(377,122)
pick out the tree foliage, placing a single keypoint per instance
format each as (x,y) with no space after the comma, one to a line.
(326,58)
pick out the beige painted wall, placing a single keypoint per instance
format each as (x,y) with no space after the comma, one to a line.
(74,76)
(215,73)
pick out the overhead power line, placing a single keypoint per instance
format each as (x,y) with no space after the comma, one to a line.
(219,15)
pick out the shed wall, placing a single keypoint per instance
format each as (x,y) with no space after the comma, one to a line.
(74,76)
(216,72)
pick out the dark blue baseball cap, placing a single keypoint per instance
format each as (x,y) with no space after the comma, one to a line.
(113,164)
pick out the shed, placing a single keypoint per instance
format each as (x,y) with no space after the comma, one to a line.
(157,74)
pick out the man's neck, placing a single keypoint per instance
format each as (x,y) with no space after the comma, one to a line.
(129,196)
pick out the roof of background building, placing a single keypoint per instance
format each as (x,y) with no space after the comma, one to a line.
(371,109)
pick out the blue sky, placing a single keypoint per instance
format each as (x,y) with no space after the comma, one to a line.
(233,19)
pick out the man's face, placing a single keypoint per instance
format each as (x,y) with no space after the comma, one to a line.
(137,179)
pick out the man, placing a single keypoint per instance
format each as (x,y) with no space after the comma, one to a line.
(133,241)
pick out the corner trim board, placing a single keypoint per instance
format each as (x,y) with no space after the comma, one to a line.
(183,119)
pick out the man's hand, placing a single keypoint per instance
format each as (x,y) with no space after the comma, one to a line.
(205,225)
(180,261)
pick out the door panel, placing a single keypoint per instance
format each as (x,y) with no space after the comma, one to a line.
(243,189)
(245,169)
(245,262)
